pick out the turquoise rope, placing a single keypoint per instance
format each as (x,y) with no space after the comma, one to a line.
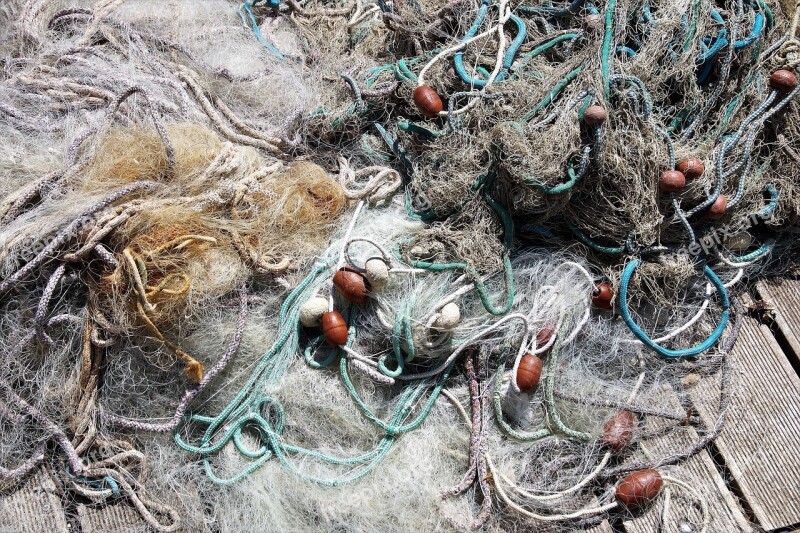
(508,238)
(252,410)
(250,394)
(642,336)
(520,66)
(483,292)
(553,93)
(588,241)
(257,31)
(396,148)
(752,256)
(758,26)
(605,55)
(458,58)
(393,429)
(571,174)
(508,58)
(774,195)
(687,42)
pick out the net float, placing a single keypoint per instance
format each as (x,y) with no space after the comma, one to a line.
(718,208)
(671,181)
(312,310)
(618,430)
(352,285)
(595,115)
(427,101)
(544,335)
(783,81)
(692,168)
(639,488)
(602,296)
(334,328)
(529,372)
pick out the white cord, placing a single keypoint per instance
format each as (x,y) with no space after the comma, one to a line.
(464,345)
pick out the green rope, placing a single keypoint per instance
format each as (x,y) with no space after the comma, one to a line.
(549,385)
(687,42)
(497,405)
(563,82)
(606,50)
(588,241)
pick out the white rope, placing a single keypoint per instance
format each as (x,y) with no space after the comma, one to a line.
(342,251)
(464,345)
(696,495)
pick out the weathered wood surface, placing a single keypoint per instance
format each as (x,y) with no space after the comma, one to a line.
(33,508)
(760,443)
(603,527)
(784,297)
(117,518)
(699,472)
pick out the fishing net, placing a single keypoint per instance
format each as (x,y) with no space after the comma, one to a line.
(384,266)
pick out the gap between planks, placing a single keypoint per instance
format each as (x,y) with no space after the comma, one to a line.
(760,443)
(784,297)
(699,472)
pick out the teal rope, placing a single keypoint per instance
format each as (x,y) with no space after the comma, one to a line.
(752,256)
(588,241)
(423,130)
(543,48)
(563,82)
(483,292)
(413,393)
(687,42)
(240,407)
(774,195)
(571,174)
(606,50)
(257,31)
(642,336)
(508,238)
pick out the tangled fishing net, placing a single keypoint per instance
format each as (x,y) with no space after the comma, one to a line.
(383,265)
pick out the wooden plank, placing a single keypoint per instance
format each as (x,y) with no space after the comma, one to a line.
(784,296)
(699,472)
(34,507)
(118,517)
(550,527)
(603,527)
(761,441)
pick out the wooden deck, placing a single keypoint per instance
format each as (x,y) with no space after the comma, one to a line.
(750,476)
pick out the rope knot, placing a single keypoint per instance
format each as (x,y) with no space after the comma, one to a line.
(788,55)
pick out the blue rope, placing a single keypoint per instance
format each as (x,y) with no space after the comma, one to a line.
(725,302)
(758,26)
(773,201)
(508,58)
(257,31)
